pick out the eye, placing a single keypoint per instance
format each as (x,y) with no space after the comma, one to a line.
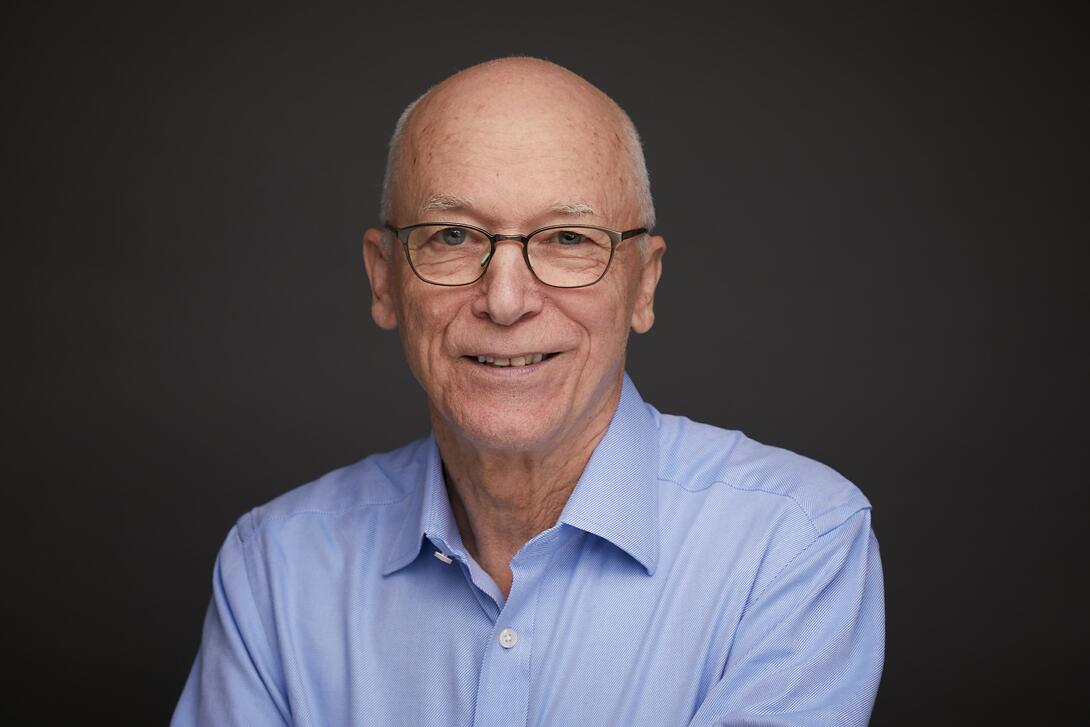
(452,236)
(568,237)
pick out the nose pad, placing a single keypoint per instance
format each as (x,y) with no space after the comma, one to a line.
(491,254)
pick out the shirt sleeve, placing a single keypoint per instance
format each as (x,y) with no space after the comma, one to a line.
(234,679)
(809,649)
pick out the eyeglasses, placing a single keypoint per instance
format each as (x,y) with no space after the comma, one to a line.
(562,256)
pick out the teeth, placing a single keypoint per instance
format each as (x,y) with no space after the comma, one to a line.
(530,358)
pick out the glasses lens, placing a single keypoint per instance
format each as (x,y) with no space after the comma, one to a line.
(447,255)
(569,257)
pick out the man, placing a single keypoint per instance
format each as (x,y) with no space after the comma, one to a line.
(557,552)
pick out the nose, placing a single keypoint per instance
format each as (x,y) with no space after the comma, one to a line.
(509,291)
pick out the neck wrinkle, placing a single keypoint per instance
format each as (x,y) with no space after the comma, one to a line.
(502,500)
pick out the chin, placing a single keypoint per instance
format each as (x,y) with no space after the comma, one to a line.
(507,428)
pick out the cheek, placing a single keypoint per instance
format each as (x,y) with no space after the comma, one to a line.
(425,316)
(606,322)
(414,324)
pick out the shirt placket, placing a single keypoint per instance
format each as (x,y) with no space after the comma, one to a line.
(503,691)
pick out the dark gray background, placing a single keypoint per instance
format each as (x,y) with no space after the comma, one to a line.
(876,259)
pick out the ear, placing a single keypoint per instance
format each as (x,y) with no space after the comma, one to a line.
(643,314)
(380,271)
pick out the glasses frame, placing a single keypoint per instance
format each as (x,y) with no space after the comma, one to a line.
(615,239)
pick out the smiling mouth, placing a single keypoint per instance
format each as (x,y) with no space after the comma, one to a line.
(501,362)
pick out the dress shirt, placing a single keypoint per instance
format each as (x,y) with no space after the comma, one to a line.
(694,577)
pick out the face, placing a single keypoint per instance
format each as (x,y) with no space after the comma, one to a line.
(507,172)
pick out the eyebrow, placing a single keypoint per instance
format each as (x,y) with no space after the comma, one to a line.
(446,202)
(440,202)
(573,207)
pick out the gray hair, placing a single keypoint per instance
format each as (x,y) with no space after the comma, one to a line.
(630,138)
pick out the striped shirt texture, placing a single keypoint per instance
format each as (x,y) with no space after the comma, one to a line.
(694,577)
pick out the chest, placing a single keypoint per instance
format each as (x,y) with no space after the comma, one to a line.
(585,637)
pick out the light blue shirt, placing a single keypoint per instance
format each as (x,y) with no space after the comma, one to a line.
(695,577)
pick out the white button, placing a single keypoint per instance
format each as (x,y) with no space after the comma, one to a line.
(508,638)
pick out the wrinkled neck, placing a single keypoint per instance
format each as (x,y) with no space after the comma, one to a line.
(501,499)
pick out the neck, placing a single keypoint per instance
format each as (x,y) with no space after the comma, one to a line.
(501,499)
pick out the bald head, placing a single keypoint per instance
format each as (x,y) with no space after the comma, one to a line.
(510,114)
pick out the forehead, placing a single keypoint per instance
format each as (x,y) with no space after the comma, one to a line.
(517,156)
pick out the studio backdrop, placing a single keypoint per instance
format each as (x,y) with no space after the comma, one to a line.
(876,259)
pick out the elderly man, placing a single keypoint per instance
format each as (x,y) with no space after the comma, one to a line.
(557,552)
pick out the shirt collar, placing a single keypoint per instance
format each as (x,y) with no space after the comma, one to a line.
(427,514)
(616,498)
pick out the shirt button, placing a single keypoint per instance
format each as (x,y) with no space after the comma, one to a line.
(508,638)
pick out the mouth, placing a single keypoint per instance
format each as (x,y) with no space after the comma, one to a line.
(528,359)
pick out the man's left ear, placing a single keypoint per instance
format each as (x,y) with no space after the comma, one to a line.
(643,314)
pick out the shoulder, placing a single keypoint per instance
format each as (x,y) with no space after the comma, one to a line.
(727,464)
(370,484)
